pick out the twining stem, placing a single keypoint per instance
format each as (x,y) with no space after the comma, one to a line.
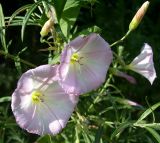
(14,58)
(121,40)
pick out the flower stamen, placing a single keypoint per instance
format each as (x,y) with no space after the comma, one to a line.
(37,96)
(75,58)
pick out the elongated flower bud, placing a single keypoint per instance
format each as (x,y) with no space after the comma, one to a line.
(52,14)
(123,75)
(47,27)
(138,16)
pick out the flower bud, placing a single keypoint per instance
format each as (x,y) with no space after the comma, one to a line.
(123,75)
(47,27)
(138,16)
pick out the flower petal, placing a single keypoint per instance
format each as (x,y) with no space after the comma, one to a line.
(48,116)
(143,63)
(89,72)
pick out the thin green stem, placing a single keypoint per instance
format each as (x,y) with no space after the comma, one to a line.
(119,59)
(106,84)
(7,55)
(2,136)
(153,116)
(40,9)
(121,40)
(100,93)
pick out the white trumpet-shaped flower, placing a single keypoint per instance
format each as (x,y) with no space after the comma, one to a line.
(39,103)
(143,63)
(84,64)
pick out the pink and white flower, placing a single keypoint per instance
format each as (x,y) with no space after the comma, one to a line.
(84,64)
(143,63)
(39,103)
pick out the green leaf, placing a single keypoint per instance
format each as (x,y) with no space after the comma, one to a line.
(59,6)
(18,64)
(44,139)
(2,31)
(77,131)
(23,50)
(27,16)
(93,29)
(17,60)
(120,129)
(154,133)
(86,138)
(152,125)
(55,60)
(69,16)
(5,99)
(25,7)
(148,111)
(9,44)
(98,134)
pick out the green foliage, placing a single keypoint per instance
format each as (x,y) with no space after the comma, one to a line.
(59,7)
(2,30)
(30,10)
(154,133)
(105,115)
(69,16)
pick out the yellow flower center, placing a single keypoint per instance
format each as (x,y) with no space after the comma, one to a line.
(74,58)
(36,96)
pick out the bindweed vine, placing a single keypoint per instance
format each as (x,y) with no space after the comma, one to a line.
(71,94)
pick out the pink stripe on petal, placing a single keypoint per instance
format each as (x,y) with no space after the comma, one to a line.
(78,43)
(69,81)
(50,113)
(143,63)
(89,70)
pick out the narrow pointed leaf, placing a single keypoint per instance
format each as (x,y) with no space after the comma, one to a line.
(18,64)
(27,16)
(25,7)
(120,129)
(2,29)
(86,138)
(148,111)
(98,134)
(155,126)
(154,133)
(5,99)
